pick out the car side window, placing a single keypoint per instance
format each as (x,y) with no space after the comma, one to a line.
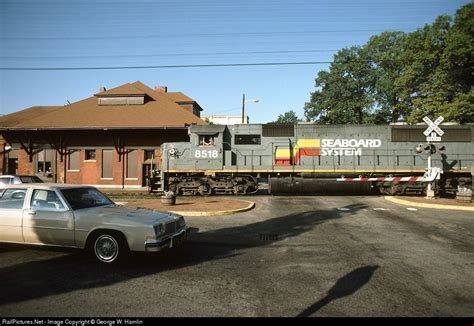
(46,200)
(12,198)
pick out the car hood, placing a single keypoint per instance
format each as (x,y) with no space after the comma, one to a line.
(116,214)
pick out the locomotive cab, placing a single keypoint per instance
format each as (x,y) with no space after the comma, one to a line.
(197,167)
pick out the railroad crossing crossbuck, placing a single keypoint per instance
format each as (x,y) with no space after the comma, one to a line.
(433,126)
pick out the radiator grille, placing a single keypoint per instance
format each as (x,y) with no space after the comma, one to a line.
(278,130)
(458,134)
(170,228)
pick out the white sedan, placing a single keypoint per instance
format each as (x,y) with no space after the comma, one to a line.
(83,217)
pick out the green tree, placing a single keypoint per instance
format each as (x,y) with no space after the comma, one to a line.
(440,68)
(384,55)
(343,94)
(423,82)
(457,65)
(401,76)
(288,117)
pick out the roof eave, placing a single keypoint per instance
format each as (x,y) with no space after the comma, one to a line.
(92,128)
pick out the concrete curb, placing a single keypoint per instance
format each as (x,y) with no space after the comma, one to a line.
(216,213)
(425,205)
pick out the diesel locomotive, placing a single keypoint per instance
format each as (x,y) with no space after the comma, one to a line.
(309,158)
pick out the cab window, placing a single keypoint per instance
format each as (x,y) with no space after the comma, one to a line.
(207,140)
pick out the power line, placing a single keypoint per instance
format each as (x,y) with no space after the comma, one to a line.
(165,66)
(191,35)
(167,54)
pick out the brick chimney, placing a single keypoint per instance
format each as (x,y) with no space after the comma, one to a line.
(162,89)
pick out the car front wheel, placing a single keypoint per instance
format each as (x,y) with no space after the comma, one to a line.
(109,248)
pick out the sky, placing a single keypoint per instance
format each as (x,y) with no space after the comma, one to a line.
(83,34)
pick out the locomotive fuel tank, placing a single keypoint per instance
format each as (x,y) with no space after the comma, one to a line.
(298,185)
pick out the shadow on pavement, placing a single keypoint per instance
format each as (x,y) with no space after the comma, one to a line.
(78,271)
(345,286)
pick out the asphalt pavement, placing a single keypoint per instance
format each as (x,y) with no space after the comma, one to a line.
(289,256)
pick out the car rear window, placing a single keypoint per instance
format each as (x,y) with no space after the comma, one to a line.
(79,198)
(30,179)
(5,181)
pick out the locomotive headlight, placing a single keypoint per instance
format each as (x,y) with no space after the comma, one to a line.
(419,148)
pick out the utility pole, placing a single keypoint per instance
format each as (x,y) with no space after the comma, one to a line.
(243,108)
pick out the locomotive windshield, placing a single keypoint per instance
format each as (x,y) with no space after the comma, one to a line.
(207,140)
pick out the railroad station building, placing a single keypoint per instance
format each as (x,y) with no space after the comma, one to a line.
(111,139)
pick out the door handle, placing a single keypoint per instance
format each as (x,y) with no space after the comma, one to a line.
(32,213)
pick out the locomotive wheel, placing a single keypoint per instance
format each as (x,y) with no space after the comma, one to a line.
(204,190)
(239,190)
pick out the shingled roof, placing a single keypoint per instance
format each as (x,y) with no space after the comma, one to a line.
(158,111)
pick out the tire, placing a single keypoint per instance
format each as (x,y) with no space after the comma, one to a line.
(110,248)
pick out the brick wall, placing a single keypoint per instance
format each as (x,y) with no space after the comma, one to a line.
(90,171)
(3,156)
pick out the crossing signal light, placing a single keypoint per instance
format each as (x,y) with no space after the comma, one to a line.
(430,149)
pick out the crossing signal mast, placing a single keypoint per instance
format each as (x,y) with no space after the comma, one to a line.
(433,134)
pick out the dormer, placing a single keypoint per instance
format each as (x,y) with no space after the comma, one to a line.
(121,96)
(182,100)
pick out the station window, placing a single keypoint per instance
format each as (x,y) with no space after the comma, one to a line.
(45,159)
(107,164)
(73,161)
(132,164)
(149,154)
(247,140)
(207,140)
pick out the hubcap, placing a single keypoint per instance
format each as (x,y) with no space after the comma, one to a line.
(106,248)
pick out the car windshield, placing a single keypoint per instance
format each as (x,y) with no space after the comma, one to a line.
(4,181)
(79,198)
(30,179)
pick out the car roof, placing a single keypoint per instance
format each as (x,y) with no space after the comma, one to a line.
(17,175)
(47,186)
